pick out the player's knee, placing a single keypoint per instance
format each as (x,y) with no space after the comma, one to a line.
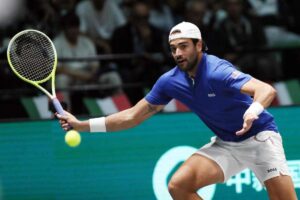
(174,186)
(180,184)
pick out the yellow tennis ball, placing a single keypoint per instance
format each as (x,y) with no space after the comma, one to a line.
(72,138)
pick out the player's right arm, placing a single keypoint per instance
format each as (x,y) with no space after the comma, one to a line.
(119,121)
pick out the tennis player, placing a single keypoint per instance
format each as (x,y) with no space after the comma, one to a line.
(232,104)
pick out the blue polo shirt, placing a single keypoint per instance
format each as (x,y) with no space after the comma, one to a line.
(214,95)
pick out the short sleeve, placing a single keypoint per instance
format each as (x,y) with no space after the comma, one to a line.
(226,76)
(157,95)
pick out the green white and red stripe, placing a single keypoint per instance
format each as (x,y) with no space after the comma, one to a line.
(108,105)
(288,92)
(37,107)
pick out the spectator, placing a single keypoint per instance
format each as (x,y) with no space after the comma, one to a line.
(161,15)
(41,15)
(176,9)
(238,34)
(197,12)
(215,12)
(138,36)
(64,6)
(275,17)
(99,18)
(71,44)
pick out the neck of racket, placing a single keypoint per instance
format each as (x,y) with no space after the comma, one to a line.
(58,107)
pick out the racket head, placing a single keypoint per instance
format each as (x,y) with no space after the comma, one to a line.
(32,56)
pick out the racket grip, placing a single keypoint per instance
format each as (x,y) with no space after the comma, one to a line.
(58,106)
(59,109)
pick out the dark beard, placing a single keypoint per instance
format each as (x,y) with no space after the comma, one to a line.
(190,66)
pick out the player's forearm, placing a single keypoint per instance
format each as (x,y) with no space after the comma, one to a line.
(262,93)
(121,121)
(115,122)
(125,119)
(265,95)
(82,126)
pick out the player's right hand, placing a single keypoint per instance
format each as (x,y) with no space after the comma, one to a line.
(69,121)
(248,121)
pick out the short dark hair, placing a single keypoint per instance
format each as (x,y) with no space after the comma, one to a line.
(70,19)
(204,46)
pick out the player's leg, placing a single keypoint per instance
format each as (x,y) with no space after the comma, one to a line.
(196,172)
(281,188)
(271,166)
(213,163)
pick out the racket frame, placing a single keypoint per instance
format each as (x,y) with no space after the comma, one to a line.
(52,96)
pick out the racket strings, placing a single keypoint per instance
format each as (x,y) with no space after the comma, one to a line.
(32,56)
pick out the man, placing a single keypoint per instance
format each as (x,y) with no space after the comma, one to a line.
(238,33)
(246,134)
(98,22)
(70,43)
(137,37)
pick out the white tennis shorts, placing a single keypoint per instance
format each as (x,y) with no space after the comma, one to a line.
(263,154)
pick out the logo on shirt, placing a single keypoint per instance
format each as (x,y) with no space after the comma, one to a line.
(235,74)
(272,170)
(211,94)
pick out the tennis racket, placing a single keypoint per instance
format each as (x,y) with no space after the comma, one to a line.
(32,57)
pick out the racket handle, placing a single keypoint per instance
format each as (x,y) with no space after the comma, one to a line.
(58,106)
(59,109)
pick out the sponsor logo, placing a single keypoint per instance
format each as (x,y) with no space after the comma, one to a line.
(170,159)
(272,170)
(211,94)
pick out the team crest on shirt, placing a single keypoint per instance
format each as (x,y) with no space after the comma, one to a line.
(235,74)
(211,94)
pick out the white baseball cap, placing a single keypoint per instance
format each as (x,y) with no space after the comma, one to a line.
(185,30)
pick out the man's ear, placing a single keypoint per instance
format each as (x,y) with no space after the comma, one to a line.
(199,46)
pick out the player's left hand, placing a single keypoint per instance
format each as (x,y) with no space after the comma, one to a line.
(248,121)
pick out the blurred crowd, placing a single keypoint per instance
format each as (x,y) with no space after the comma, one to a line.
(241,31)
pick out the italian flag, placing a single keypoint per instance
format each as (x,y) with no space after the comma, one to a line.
(288,92)
(37,107)
(106,106)
(175,106)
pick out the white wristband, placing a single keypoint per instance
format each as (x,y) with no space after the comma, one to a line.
(97,124)
(255,108)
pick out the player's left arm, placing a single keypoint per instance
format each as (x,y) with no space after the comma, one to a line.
(261,92)
(263,95)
